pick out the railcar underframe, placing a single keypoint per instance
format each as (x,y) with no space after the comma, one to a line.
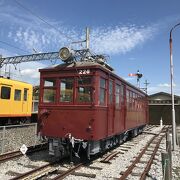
(61,147)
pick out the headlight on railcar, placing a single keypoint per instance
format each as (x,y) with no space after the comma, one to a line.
(66,54)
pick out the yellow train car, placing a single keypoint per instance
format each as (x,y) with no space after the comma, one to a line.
(15,101)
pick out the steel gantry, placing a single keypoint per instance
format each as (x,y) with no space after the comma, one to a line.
(28,58)
(77,55)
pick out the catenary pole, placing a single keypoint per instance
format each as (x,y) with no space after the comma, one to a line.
(172,91)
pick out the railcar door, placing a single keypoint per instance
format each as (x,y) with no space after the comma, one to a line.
(5,100)
(25,101)
(111,108)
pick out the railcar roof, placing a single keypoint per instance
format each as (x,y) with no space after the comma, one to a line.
(11,82)
(79,64)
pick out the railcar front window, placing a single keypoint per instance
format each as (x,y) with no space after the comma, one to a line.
(49,95)
(49,91)
(84,81)
(49,83)
(84,89)
(5,92)
(66,90)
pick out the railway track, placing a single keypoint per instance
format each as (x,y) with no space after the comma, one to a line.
(37,172)
(144,165)
(100,166)
(16,154)
(110,157)
(69,171)
(155,140)
(53,168)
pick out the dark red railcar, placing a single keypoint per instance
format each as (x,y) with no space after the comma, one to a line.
(85,105)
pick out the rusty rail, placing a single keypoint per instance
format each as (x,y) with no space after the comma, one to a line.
(131,167)
(148,166)
(36,172)
(109,157)
(68,172)
(15,154)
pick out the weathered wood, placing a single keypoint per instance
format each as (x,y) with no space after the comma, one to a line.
(79,174)
(166,166)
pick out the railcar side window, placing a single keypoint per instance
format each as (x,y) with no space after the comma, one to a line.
(130,99)
(117,95)
(122,94)
(127,98)
(84,89)
(17,95)
(102,97)
(66,90)
(110,92)
(49,91)
(5,92)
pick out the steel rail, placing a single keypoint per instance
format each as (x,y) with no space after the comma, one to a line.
(148,166)
(68,172)
(15,154)
(109,157)
(132,166)
(36,172)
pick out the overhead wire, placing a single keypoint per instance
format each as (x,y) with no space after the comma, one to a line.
(40,18)
(13,46)
(27,9)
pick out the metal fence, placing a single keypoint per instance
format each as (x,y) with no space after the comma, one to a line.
(14,136)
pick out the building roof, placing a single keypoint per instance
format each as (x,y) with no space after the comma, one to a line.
(163,94)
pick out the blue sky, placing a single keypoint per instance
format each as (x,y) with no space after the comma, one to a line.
(134,34)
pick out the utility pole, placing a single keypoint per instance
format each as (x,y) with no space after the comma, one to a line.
(87,38)
(172,91)
(146,85)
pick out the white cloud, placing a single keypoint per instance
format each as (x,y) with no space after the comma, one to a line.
(120,39)
(116,40)
(4,52)
(164,87)
(27,72)
(33,73)
(29,32)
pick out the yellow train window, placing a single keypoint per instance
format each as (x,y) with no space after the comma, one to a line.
(17,95)
(5,92)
